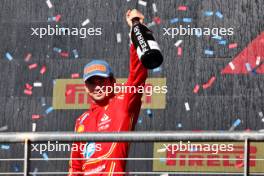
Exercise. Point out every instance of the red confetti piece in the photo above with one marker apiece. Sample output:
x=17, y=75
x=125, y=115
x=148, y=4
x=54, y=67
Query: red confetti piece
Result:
x=35, y=116
x=28, y=57
x=27, y=92
x=32, y=66
x=64, y=54
x=28, y=86
x=232, y=45
x=209, y=83
x=68, y=92
x=182, y=8
x=57, y=18
x=75, y=75
x=43, y=69
x=196, y=88
x=157, y=20
x=179, y=52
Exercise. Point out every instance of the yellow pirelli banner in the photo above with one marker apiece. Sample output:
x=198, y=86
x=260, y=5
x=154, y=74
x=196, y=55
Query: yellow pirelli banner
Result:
x=70, y=94
x=224, y=157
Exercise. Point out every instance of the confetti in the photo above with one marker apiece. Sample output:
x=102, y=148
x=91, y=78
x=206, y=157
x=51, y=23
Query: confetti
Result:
x=232, y=66
x=33, y=66
x=28, y=86
x=9, y=56
x=64, y=54
x=182, y=8
x=222, y=42
x=75, y=53
x=140, y=2
x=85, y=22
x=155, y=70
x=75, y=75
x=149, y=112
x=178, y=43
x=164, y=174
x=187, y=107
x=34, y=126
x=235, y=124
x=68, y=92
x=157, y=20
x=49, y=110
x=28, y=57
x=208, y=13
x=43, y=69
x=49, y=4
x=139, y=120
x=45, y=156
x=187, y=20
x=262, y=119
x=4, y=128
x=58, y=50
x=260, y=114
x=196, y=88
x=43, y=102
x=35, y=172
x=154, y=8
x=208, y=52
x=35, y=116
x=217, y=37
x=118, y=38
x=179, y=51
x=219, y=14
x=16, y=168
x=174, y=20
x=37, y=84
x=27, y=92
x=5, y=147
x=258, y=60
x=232, y=45
x=209, y=83
x=248, y=67
x=179, y=125
x=57, y=18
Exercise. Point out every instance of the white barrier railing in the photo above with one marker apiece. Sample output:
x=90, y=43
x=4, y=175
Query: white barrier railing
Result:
x=129, y=137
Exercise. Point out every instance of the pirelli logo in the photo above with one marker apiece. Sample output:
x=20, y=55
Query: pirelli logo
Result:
x=70, y=94
x=206, y=161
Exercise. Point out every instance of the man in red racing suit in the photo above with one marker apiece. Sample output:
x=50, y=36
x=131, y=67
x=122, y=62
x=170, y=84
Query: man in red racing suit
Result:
x=114, y=113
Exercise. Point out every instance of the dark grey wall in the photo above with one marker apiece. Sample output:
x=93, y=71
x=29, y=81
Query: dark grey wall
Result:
x=231, y=97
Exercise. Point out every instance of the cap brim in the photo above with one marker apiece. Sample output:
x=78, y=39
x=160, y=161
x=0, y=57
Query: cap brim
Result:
x=105, y=75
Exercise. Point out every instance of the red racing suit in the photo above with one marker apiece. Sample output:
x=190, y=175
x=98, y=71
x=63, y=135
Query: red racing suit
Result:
x=120, y=114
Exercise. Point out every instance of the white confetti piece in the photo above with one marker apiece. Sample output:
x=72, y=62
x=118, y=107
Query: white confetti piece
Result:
x=34, y=125
x=154, y=8
x=37, y=84
x=232, y=66
x=178, y=43
x=140, y=2
x=49, y=4
x=118, y=38
x=85, y=22
x=248, y=67
x=187, y=107
x=258, y=60
x=164, y=174
x=261, y=114
x=4, y=128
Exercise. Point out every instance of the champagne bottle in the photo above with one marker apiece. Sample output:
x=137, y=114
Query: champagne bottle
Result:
x=147, y=48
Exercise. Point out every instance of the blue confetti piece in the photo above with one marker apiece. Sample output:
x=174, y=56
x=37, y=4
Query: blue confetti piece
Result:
x=75, y=53
x=219, y=14
x=45, y=156
x=248, y=67
x=222, y=42
x=49, y=110
x=174, y=20
x=208, y=13
x=217, y=37
x=58, y=50
x=162, y=160
x=139, y=120
x=208, y=52
x=179, y=125
x=187, y=20
x=236, y=123
x=158, y=69
x=5, y=147
x=35, y=172
x=16, y=168
x=8, y=56
x=149, y=113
